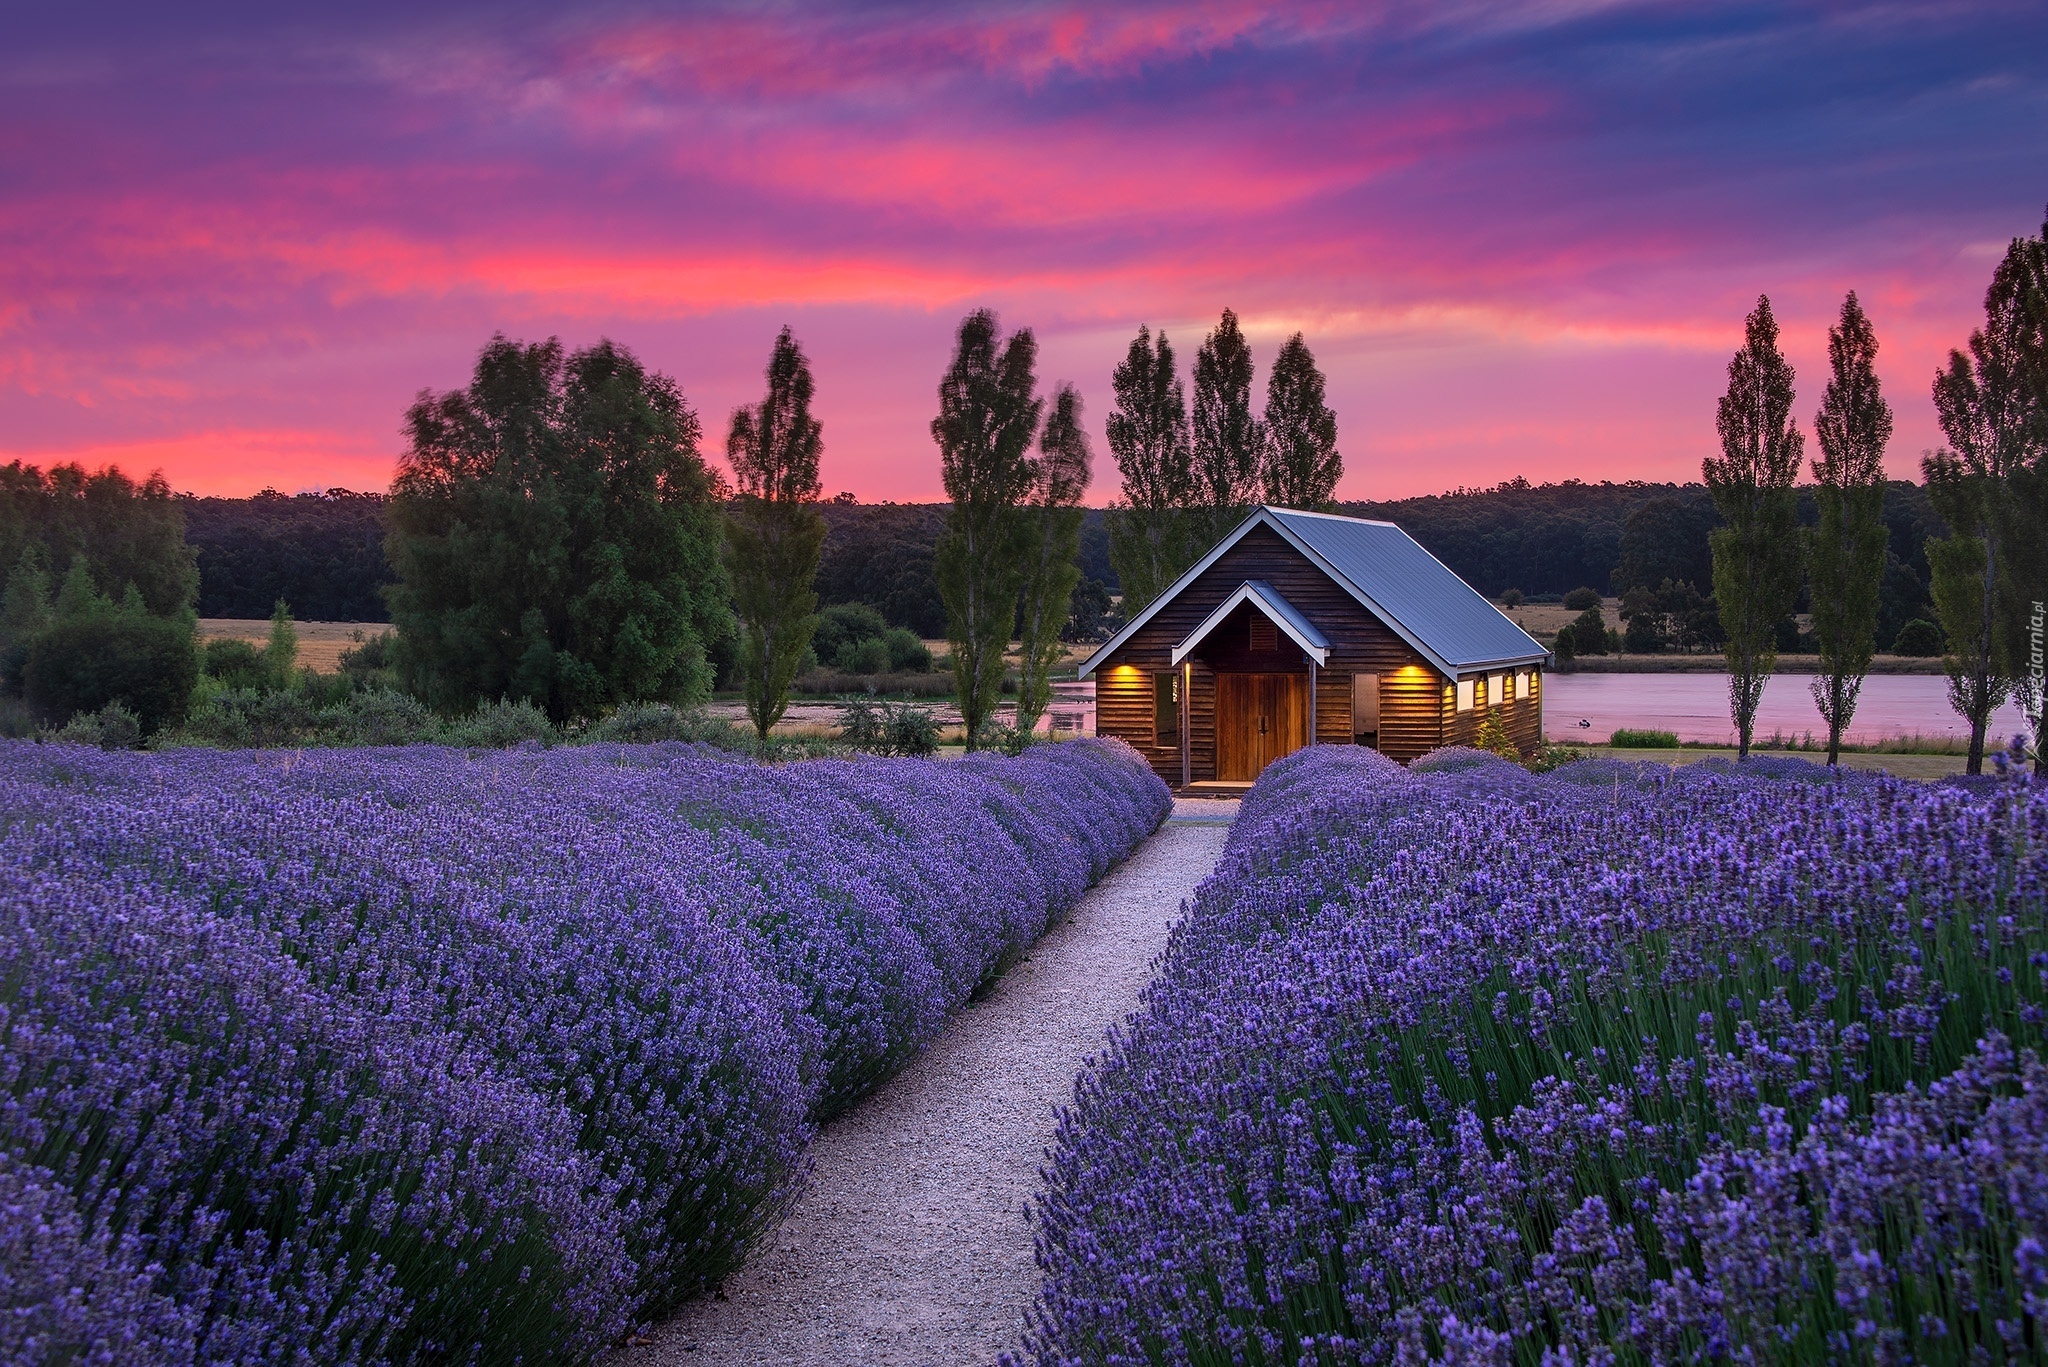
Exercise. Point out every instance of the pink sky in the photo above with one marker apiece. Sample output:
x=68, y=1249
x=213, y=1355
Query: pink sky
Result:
x=1520, y=239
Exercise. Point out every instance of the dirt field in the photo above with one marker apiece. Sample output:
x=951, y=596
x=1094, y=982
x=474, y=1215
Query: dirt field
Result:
x=320, y=643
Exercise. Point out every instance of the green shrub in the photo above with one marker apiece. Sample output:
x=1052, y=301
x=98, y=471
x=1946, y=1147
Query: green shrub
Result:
x=1579, y=599
x=251, y=717
x=645, y=723
x=235, y=663
x=907, y=654
x=113, y=727
x=148, y=664
x=368, y=662
x=381, y=716
x=1634, y=738
x=1919, y=638
x=502, y=724
x=1493, y=736
x=881, y=726
x=842, y=625
x=864, y=657
x=1562, y=649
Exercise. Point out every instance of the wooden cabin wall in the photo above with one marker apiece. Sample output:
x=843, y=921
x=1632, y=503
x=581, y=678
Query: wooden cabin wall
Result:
x=1523, y=718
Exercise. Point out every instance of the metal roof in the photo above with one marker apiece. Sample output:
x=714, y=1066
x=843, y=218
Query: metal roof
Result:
x=1391, y=576
x=1283, y=613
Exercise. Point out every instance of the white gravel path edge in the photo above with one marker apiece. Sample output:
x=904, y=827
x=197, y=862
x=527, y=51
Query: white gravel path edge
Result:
x=911, y=1245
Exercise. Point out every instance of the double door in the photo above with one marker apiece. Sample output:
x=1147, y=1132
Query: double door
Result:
x=1259, y=718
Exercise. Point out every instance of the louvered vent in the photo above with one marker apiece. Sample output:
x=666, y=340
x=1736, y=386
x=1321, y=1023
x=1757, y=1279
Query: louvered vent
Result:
x=1265, y=636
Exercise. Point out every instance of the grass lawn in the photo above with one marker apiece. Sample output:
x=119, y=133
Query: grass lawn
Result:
x=1900, y=766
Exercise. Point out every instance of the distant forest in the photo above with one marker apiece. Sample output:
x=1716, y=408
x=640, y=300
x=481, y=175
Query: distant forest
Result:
x=324, y=553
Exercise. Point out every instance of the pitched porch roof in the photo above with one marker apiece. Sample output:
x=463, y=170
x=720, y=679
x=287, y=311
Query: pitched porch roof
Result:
x=1283, y=614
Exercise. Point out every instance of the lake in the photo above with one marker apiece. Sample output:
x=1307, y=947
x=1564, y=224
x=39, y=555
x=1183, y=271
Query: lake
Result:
x=1695, y=706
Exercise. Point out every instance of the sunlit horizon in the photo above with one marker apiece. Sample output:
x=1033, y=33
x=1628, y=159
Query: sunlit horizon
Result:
x=1521, y=240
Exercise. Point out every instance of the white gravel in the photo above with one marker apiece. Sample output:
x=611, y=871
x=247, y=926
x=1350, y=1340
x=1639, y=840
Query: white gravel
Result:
x=911, y=1244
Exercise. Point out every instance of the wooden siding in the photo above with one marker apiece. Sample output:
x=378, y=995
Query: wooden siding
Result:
x=1523, y=717
x=1412, y=713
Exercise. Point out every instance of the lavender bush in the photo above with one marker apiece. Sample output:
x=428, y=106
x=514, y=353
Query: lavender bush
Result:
x=1614, y=1065
x=390, y=1056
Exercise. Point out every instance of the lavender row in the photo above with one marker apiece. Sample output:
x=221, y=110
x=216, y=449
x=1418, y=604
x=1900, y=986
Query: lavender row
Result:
x=1619, y=1064
x=388, y=1056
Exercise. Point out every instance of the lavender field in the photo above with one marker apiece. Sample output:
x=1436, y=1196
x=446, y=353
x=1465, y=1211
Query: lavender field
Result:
x=430, y=1055
x=1618, y=1065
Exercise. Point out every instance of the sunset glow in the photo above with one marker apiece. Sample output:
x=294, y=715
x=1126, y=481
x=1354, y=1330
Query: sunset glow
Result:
x=1521, y=240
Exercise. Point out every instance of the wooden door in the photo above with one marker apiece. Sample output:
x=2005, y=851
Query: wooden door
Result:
x=1259, y=718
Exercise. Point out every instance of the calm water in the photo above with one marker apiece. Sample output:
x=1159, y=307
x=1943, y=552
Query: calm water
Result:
x=1696, y=707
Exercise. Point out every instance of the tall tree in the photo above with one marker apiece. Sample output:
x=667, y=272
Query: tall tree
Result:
x=1991, y=412
x=1302, y=463
x=1150, y=537
x=1756, y=555
x=1229, y=440
x=555, y=533
x=1052, y=543
x=2016, y=308
x=1853, y=427
x=988, y=415
x=774, y=532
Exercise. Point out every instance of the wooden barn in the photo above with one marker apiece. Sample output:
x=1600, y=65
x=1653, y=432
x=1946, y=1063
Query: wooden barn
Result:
x=1311, y=629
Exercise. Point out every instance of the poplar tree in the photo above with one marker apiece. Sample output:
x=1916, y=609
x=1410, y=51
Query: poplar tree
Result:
x=2019, y=298
x=1989, y=402
x=1853, y=427
x=1228, y=440
x=1150, y=537
x=281, y=652
x=988, y=416
x=1053, y=550
x=1756, y=555
x=774, y=532
x=1302, y=465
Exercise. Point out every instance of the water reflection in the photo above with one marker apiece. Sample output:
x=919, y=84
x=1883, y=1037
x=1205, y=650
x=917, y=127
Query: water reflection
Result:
x=1696, y=707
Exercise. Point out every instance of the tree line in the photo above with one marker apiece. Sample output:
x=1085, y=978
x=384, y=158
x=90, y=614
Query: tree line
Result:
x=1988, y=485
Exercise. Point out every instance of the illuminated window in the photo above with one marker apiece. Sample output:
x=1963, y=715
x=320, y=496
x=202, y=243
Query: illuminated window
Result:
x=1365, y=709
x=1496, y=689
x=1166, y=710
x=1464, y=695
x=1521, y=685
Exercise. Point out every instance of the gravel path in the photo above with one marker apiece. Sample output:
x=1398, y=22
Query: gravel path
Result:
x=911, y=1245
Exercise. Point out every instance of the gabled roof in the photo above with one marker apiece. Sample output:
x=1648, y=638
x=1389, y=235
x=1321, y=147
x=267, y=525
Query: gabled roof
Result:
x=1391, y=575
x=1282, y=613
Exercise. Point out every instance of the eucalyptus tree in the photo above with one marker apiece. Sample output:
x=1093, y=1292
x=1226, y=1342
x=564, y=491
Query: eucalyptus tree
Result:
x=988, y=416
x=774, y=531
x=1757, y=553
x=1052, y=548
x=555, y=532
x=1151, y=539
x=1853, y=427
x=1302, y=464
